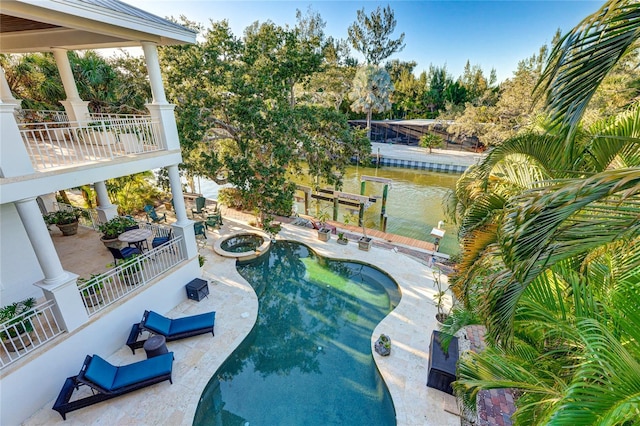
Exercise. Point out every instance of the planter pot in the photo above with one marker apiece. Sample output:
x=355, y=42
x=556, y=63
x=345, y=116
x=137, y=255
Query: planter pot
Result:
x=441, y=318
x=131, y=143
x=92, y=299
x=68, y=228
x=14, y=344
x=364, y=243
x=324, y=234
x=113, y=243
x=343, y=241
x=383, y=346
x=104, y=138
x=131, y=278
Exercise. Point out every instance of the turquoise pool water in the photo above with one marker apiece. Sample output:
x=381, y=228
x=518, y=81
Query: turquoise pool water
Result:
x=308, y=359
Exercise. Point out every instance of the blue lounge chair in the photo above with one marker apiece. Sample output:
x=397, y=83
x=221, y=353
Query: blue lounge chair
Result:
x=108, y=381
x=158, y=241
x=153, y=215
x=171, y=329
x=123, y=254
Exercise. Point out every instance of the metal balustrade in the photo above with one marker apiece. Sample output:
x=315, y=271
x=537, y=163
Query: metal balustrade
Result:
x=17, y=343
x=61, y=144
x=32, y=115
x=102, y=290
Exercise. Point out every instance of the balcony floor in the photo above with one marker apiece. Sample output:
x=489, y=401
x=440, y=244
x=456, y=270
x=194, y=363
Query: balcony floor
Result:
x=83, y=253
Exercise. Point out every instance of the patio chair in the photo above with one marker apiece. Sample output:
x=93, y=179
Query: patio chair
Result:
x=122, y=254
x=200, y=233
x=213, y=220
x=158, y=241
x=108, y=381
x=200, y=203
x=171, y=329
x=153, y=215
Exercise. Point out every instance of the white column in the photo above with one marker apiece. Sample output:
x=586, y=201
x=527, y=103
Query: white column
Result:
x=183, y=225
x=77, y=109
x=14, y=159
x=153, y=69
x=178, y=195
x=5, y=91
x=41, y=241
x=105, y=209
x=58, y=285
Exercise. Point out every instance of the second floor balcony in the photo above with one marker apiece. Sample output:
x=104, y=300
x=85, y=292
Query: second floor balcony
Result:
x=56, y=142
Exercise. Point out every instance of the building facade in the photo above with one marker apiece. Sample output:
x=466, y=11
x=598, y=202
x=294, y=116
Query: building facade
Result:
x=40, y=156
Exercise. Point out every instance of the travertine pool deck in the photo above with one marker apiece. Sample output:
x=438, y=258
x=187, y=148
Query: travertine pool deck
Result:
x=236, y=306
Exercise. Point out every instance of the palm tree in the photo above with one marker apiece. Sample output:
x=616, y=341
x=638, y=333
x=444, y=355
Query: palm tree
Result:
x=371, y=91
x=551, y=258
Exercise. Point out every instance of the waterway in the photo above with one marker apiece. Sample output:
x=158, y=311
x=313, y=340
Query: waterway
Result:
x=414, y=203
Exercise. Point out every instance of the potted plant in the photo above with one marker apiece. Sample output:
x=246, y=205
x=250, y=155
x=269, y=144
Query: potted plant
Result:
x=17, y=324
x=439, y=296
x=383, y=345
x=324, y=233
x=129, y=136
x=112, y=228
x=65, y=220
x=364, y=243
x=102, y=132
x=130, y=272
x=91, y=294
x=342, y=239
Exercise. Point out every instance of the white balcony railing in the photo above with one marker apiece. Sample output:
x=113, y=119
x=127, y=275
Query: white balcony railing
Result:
x=103, y=290
x=40, y=116
x=61, y=144
x=37, y=326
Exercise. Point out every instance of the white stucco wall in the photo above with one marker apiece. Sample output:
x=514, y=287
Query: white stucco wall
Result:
x=26, y=388
x=19, y=267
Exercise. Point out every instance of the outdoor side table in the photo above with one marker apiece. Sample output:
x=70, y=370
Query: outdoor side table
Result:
x=442, y=367
x=155, y=345
x=136, y=236
x=197, y=289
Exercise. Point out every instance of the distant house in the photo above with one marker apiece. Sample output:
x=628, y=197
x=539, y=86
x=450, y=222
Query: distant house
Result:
x=41, y=153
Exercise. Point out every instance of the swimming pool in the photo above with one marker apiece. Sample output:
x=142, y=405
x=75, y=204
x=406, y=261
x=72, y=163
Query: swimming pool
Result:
x=308, y=359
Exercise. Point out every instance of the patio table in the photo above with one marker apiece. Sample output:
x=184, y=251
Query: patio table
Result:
x=135, y=236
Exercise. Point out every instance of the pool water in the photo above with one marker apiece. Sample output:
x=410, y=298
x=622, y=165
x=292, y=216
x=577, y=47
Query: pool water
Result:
x=308, y=359
x=242, y=243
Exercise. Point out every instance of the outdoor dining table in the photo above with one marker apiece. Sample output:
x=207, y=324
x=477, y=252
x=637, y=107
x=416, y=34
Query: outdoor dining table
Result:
x=136, y=237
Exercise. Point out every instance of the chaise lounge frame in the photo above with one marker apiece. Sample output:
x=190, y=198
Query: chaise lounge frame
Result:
x=207, y=318
x=63, y=405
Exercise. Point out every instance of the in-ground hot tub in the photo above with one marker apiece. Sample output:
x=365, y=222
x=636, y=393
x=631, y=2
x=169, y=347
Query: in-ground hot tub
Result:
x=243, y=246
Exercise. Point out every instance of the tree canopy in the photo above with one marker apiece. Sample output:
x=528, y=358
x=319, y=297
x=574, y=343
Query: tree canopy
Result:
x=371, y=35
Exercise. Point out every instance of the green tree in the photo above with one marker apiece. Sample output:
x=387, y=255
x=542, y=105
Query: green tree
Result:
x=371, y=91
x=430, y=140
x=370, y=35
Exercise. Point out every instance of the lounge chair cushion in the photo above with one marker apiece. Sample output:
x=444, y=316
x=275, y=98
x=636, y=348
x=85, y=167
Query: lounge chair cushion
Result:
x=158, y=323
x=101, y=372
x=143, y=370
x=112, y=378
x=195, y=322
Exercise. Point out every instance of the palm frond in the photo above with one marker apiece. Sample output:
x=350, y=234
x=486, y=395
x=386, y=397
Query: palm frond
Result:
x=582, y=58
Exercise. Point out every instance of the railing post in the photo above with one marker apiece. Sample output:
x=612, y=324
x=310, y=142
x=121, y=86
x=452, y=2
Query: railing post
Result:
x=69, y=309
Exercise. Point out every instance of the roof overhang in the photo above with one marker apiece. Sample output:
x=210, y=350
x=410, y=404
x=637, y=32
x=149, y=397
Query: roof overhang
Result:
x=38, y=26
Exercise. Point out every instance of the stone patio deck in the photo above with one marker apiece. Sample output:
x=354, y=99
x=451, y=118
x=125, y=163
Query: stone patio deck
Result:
x=236, y=305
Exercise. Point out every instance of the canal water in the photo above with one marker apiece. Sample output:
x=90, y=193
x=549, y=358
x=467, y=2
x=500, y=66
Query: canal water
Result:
x=414, y=202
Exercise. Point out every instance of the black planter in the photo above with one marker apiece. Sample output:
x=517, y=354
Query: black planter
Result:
x=442, y=366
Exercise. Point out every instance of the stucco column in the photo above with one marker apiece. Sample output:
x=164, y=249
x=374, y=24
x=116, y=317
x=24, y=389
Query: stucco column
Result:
x=105, y=209
x=41, y=241
x=5, y=91
x=58, y=285
x=183, y=226
x=14, y=159
x=77, y=109
x=153, y=69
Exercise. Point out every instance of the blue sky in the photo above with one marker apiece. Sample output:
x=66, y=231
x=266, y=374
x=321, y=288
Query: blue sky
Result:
x=494, y=34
